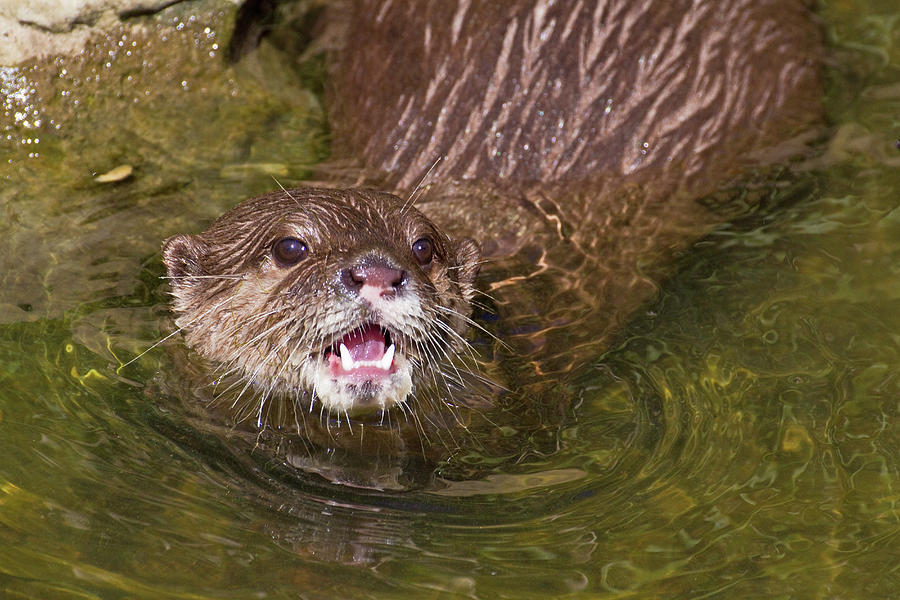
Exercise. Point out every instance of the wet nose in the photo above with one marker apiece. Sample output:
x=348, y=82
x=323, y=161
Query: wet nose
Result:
x=383, y=278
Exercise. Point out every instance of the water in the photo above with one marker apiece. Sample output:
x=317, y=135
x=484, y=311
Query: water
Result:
x=739, y=439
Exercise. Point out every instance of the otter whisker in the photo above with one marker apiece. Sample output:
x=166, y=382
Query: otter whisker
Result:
x=446, y=380
x=464, y=345
x=470, y=321
x=155, y=345
x=420, y=185
x=407, y=413
x=166, y=338
x=424, y=349
x=262, y=404
x=443, y=352
x=387, y=413
x=440, y=430
x=193, y=277
x=347, y=416
x=252, y=376
x=327, y=421
x=287, y=360
x=479, y=263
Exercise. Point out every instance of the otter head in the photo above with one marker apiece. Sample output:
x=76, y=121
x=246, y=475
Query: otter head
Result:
x=344, y=298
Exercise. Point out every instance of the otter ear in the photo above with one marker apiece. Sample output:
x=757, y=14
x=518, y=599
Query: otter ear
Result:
x=182, y=256
x=468, y=259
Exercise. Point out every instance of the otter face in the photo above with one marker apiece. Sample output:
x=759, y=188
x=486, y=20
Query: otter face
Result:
x=344, y=298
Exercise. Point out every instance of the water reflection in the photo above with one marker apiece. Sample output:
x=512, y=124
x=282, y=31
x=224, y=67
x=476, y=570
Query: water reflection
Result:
x=737, y=439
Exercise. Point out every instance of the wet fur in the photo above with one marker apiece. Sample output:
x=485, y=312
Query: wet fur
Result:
x=262, y=323
x=577, y=132
x=542, y=91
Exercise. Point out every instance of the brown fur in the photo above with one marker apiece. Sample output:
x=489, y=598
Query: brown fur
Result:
x=573, y=138
x=542, y=91
x=263, y=323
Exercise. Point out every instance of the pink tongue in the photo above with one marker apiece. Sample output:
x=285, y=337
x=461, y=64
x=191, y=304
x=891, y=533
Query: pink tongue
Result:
x=365, y=344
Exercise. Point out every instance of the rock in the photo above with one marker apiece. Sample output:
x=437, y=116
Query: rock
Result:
x=41, y=28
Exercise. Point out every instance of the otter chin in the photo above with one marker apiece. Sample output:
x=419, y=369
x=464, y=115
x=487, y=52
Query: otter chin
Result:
x=341, y=302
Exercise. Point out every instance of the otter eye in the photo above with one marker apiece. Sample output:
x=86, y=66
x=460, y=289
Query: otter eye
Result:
x=423, y=251
x=289, y=251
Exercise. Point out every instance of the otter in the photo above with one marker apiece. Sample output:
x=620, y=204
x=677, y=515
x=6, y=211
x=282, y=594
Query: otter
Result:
x=345, y=298
x=566, y=137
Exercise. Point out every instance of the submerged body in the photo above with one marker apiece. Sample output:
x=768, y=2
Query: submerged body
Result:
x=571, y=136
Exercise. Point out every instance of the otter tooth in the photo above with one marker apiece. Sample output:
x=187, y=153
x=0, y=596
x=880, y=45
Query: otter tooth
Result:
x=346, y=359
x=387, y=359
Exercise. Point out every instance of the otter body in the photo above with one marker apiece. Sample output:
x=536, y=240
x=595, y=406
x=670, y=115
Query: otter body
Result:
x=548, y=91
x=570, y=136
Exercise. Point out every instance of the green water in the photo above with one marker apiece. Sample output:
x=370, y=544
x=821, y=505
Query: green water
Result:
x=739, y=440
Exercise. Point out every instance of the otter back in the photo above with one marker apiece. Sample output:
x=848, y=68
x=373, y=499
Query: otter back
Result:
x=561, y=91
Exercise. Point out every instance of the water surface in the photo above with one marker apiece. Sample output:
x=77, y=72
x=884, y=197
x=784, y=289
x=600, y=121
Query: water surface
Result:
x=739, y=439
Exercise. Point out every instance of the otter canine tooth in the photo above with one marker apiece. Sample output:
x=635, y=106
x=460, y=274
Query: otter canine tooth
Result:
x=346, y=359
x=387, y=359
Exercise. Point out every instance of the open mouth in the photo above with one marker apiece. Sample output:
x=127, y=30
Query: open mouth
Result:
x=365, y=353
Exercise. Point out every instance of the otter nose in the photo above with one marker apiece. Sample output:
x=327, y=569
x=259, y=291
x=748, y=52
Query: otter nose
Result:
x=375, y=280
